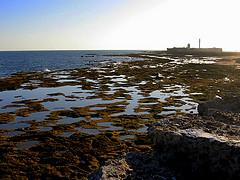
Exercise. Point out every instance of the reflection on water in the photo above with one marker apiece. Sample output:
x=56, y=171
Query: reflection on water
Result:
x=88, y=131
x=82, y=100
x=45, y=129
x=12, y=133
x=66, y=134
x=107, y=126
x=13, y=126
x=68, y=120
x=26, y=145
x=188, y=59
x=107, y=97
x=37, y=116
x=127, y=137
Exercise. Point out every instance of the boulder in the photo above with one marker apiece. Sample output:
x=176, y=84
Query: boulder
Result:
x=184, y=147
x=196, y=153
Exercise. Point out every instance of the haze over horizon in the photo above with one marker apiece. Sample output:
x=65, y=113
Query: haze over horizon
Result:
x=118, y=24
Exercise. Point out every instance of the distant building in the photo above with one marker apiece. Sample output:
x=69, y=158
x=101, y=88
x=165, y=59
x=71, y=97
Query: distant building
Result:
x=189, y=50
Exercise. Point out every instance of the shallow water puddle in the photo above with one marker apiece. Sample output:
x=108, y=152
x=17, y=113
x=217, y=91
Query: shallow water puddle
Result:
x=108, y=126
x=89, y=131
x=104, y=96
x=66, y=134
x=13, y=133
x=69, y=120
x=127, y=137
x=26, y=144
x=45, y=129
x=14, y=126
x=37, y=116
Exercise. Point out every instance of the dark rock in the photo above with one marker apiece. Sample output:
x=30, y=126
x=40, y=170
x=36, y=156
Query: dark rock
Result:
x=194, y=153
x=227, y=117
x=226, y=104
x=133, y=166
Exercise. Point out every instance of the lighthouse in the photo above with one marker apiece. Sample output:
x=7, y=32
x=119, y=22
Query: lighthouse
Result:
x=199, y=43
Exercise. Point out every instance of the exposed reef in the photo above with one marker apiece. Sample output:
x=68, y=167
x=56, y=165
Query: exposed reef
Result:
x=187, y=147
x=68, y=123
x=184, y=147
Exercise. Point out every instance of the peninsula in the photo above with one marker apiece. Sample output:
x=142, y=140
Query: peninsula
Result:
x=199, y=50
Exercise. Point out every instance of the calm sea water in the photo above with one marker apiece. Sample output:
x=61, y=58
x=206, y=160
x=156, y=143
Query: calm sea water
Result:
x=25, y=61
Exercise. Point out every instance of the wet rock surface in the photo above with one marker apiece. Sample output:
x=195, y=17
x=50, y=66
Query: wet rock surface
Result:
x=197, y=148
x=184, y=147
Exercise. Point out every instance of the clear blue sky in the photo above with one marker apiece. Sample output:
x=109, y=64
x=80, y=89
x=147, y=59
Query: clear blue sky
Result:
x=26, y=21
x=117, y=24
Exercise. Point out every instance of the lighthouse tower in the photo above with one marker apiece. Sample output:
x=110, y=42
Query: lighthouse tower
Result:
x=199, y=43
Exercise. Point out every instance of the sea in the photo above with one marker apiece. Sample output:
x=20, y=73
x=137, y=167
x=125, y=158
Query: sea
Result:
x=28, y=61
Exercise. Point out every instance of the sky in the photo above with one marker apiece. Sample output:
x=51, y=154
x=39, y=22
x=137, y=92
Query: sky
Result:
x=118, y=24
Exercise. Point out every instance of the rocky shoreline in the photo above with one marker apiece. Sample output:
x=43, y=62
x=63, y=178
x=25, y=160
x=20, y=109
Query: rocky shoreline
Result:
x=186, y=147
x=68, y=123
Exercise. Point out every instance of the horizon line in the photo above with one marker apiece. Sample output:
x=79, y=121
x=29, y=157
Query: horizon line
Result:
x=34, y=50
x=25, y=50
